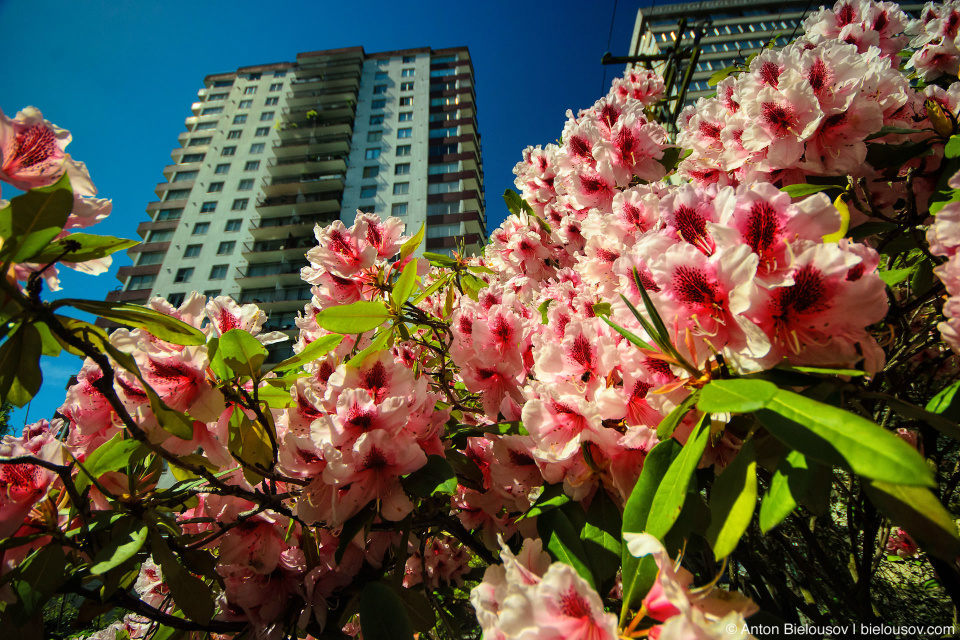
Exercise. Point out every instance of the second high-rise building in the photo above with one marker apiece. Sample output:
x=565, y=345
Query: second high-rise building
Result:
x=272, y=150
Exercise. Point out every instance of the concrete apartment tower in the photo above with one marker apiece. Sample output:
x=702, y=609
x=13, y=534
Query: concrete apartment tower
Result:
x=272, y=150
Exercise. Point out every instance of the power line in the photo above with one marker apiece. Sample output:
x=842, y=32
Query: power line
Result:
x=603, y=84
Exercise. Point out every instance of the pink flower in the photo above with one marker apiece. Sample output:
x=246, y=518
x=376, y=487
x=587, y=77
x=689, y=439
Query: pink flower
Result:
x=31, y=150
x=24, y=484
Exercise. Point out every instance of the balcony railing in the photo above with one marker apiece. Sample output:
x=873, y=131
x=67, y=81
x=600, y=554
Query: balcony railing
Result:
x=274, y=295
x=264, y=269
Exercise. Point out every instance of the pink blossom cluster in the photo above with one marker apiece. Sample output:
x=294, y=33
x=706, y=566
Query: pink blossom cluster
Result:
x=31, y=156
x=441, y=561
x=936, y=41
x=944, y=239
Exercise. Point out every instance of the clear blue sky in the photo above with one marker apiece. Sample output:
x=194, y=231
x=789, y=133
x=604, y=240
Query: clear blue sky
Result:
x=121, y=76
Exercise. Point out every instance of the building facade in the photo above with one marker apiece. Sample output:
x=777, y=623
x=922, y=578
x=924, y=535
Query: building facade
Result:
x=272, y=150
x=730, y=31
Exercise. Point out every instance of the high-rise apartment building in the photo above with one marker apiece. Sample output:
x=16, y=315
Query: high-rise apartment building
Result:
x=272, y=150
x=729, y=30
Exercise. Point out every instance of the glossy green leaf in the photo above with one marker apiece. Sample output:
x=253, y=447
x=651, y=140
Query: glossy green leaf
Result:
x=50, y=344
x=561, y=538
x=804, y=189
x=601, y=309
x=717, y=76
x=629, y=335
x=551, y=497
x=472, y=285
x=886, y=156
x=515, y=203
x=191, y=594
x=358, y=317
x=379, y=343
x=672, y=492
x=947, y=403
x=405, y=284
x=787, y=489
x=895, y=276
x=38, y=578
x=735, y=396
x=834, y=436
x=433, y=288
x=383, y=615
x=413, y=243
x=920, y=513
x=952, y=148
x=891, y=129
x=440, y=260
x=601, y=537
x=824, y=371
x=249, y=441
x=422, y=615
x=114, y=454
x=435, y=477
x=638, y=577
x=160, y=325
x=673, y=419
x=352, y=527
x=941, y=423
x=243, y=353
x=32, y=220
x=126, y=539
x=20, y=376
x=313, y=351
x=544, y=308
x=81, y=247
x=732, y=501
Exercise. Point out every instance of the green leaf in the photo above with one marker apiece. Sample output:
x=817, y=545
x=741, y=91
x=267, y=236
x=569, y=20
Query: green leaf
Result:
x=946, y=403
x=895, y=276
x=20, y=376
x=551, y=497
x=31, y=221
x=249, y=441
x=886, y=156
x=601, y=537
x=544, y=308
x=673, y=419
x=630, y=336
x=352, y=527
x=672, y=492
x=825, y=371
x=191, y=594
x=358, y=317
x=422, y=615
x=671, y=158
x=601, y=309
x=472, y=285
x=81, y=247
x=732, y=501
x=313, y=351
x=735, y=396
x=243, y=353
x=379, y=343
x=162, y=326
x=126, y=539
x=562, y=539
x=51, y=345
x=440, y=260
x=717, y=76
x=411, y=245
x=920, y=514
x=433, y=288
x=116, y=453
x=890, y=129
x=804, y=189
x=787, y=488
x=941, y=423
x=639, y=576
x=435, y=477
x=952, y=148
x=834, y=436
x=38, y=578
x=404, y=285
x=516, y=204
x=383, y=615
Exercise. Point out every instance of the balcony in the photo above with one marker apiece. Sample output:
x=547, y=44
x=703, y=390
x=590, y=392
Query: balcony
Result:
x=145, y=227
x=129, y=296
x=288, y=227
x=283, y=273
x=277, y=300
x=146, y=270
x=302, y=204
x=170, y=169
x=304, y=183
x=290, y=248
x=310, y=80
x=319, y=97
x=320, y=144
x=305, y=130
x=325, y=112
x=315, y=163
x=163, y=187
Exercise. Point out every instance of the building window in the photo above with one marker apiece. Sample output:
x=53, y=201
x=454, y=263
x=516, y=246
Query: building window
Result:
x=204, y=126
x=226, y=248
x=407, y=73
x=401, y=188
x=168, y=214
x=399, y=209
x=252, y=165
x=406, y=116
x=233, y=225
x=187, y=158
x=437, y=169
x=382, y=62
x=371, y=172
x=374, y=136
x=215, y=187
x=223, y=83
x=192, y=250
x=228, y=151
x=176, y=299
x=177, y=194
x=448, y=132
x=255, y=76
x=160, y=235
x=403, y=150
x=136, y=283
x=211, y=293
x=379, y=89
x=266, y=115
x=213, y=97
x=245, y=185
x=367, y=208
x=402, y=169
x=444, y=116
x=208, y=207
x=222, y=168
x=406, y=86
x=219, y=271
x=440, y=73
x=257, y=148
x=209, y=111
x=381, y=75
x=182, y=176
x=249, y=91
x=376, y=119
x=199, y=142
x=279, y=74
x=245, y=104
x=151, y=257
x=368, y=191
x=240, y=204
x=201, y=228
x=378, y=104
x=269, y=102
x=183, y=275
x=276, y=86
x=409, y=59
x=405, y=133
x=406, y=102
x=233, y=135
x=372, y=154
x=240, y=119
x=262, y=131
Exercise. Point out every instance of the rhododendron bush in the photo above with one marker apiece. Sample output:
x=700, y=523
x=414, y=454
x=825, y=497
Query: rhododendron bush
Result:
x=695, y=379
